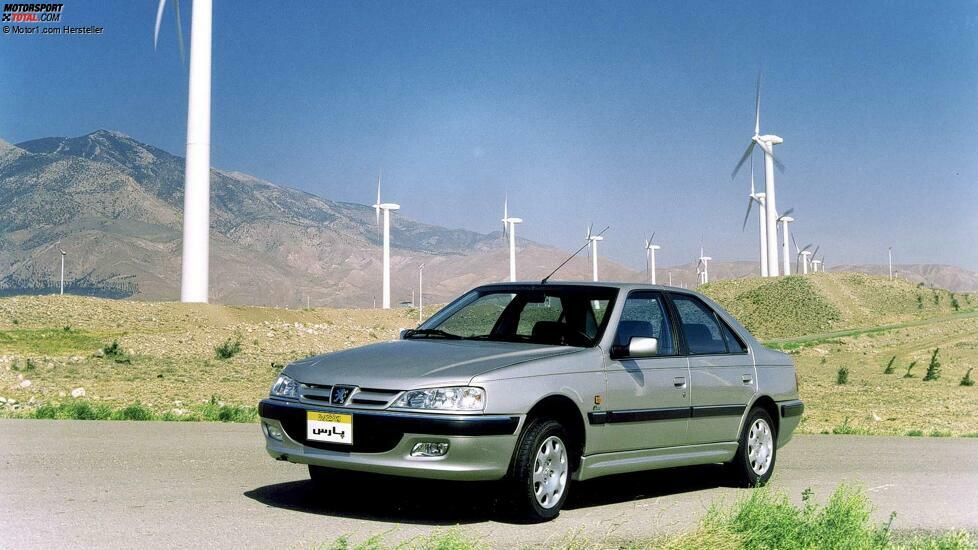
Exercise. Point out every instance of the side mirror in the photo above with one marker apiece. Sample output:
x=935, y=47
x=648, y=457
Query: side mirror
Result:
x=637, y=348
x=400, y=334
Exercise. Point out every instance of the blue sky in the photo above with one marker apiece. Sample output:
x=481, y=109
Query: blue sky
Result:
x=624, y=114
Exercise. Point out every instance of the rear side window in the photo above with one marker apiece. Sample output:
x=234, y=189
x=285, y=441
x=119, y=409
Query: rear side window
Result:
x=700, y=326
x=734, y=345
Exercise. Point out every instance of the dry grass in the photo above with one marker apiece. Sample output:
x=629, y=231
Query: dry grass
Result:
x=167, y=360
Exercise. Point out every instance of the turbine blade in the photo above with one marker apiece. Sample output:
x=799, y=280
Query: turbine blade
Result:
x=793, y=241
x=652, y=237
x=786, y=213
x=743, y=159
x=506, y=207
x=159, y=19
x=750, y=202
x=176, y=11
x=816, y=251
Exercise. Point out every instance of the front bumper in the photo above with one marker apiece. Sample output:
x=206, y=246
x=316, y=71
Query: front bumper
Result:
x=480, y=446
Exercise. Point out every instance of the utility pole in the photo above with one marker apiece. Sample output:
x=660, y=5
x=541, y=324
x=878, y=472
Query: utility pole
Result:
x=62, y=271
x=420, y=293
x=889, y=258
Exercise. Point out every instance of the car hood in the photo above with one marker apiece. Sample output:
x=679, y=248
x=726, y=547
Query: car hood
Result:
x=407, y=364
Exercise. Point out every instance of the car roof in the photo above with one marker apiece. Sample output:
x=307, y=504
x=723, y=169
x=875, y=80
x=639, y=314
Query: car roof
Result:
x=601, y=284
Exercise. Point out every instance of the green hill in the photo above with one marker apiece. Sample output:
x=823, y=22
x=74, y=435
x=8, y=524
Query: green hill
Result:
x=787, y=307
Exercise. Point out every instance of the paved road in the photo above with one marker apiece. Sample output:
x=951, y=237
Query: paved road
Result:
x=149, y=484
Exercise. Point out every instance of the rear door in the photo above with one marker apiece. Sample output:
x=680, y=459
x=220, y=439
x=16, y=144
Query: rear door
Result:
x=721, y=371
x=648, y=398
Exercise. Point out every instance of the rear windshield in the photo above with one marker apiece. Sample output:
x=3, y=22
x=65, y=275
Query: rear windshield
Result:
x=556, y=316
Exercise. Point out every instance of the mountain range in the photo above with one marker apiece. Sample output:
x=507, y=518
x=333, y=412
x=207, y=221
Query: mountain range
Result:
x=115, y=205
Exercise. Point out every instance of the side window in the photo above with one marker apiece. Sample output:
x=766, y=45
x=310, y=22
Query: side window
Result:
x=734, y=345
x=700, y=326
x=645, y=315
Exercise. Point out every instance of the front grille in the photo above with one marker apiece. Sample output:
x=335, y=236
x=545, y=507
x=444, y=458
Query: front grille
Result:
x=365, y=398
x=371, y=434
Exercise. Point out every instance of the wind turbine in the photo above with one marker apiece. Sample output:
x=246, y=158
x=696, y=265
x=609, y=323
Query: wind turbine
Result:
x=704, y=261
x=801, y=256
x=387, y=207
x=593, y=251
x=785, y=219
x=196, y=185
x=62, y=268
x=766, y=143
x=759, y=198
x=650, y=258
x=509, y=230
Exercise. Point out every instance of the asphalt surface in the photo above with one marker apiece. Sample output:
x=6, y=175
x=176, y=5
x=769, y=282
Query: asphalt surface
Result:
x=157, y=484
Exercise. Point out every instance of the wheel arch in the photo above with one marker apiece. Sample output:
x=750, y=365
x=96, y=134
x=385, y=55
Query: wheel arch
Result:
x=567, y=412
x=767, y=403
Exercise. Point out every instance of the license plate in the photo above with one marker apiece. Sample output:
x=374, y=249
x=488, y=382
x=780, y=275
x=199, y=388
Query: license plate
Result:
x=329, y=427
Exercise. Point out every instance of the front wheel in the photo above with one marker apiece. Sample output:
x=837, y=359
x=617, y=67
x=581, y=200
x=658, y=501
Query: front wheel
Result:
x=754, y=462
x=541, y=472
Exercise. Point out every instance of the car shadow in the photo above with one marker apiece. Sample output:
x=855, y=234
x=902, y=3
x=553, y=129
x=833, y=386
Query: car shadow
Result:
x=442, y=503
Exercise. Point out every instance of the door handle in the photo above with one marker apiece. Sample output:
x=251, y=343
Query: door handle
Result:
x=679, y=381
x=747, y=379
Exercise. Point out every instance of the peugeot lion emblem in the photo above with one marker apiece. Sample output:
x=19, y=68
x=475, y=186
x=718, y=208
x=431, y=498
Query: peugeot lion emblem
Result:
x=340, y=394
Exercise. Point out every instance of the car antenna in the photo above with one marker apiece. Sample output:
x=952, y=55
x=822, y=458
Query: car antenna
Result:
x=588, y=243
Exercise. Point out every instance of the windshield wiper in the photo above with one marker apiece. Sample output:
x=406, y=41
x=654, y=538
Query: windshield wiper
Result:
x=411, y=333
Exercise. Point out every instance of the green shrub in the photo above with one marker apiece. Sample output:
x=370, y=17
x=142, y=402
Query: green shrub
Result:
x=136, y=411
x=889, y=366
x=768, y=519
x=909, y=368
x=228, y=349
x=113, y=350
x=67, y=328
x=967, y=380
x=846, y=429
x=954, y=303
x=215, y=411
x=74, y=410
x=940, y=433
x=934, y=368
x=915, y=433
x=842, y=376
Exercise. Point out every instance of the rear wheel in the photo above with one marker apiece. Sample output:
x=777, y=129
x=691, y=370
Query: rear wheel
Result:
x=754, y=462
x=541, y=472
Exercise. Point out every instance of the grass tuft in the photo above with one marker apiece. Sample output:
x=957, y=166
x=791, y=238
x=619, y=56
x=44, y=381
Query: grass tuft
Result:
x=910, y=368
x=842, y=376
x=933, y=368
x=967, y=380
x=228, y=349
x=890, y=366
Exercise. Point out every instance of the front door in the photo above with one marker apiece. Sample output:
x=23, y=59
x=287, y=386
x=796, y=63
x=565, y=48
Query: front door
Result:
x=721, y=370
x=648, y=398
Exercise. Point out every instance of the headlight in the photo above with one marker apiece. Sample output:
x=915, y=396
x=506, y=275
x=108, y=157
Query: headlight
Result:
x=454, y=399
x=285, y=387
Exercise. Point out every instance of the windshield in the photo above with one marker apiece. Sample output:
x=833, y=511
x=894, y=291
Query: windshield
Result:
x=555, y=315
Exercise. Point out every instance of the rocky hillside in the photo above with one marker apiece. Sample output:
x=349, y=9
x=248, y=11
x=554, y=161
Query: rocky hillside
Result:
x=116, y=205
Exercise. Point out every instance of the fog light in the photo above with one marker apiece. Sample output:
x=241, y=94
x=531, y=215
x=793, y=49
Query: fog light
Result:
x=429, y=448
x=272, y=431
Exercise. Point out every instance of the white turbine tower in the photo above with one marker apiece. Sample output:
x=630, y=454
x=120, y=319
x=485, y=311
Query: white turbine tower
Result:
x=766, y=143
x=509, y=230
x=704, y=271
x=801, y=257
x=785, y=219
x=761, y=216
x=387, y=207
x=593, y=251
x=62, y=268
x=889, y=260
x=196, y=186
x=650, y=258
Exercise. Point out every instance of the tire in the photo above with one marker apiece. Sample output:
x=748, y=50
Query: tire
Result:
x=756, y=452
x=541, y=472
